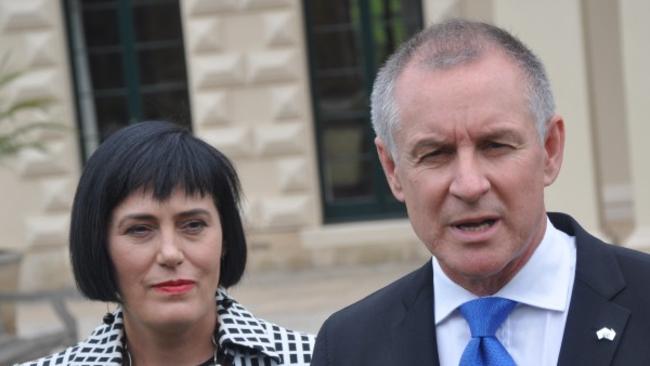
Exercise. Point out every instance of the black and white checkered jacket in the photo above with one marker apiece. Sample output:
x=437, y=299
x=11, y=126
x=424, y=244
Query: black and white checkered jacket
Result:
x=244, y=339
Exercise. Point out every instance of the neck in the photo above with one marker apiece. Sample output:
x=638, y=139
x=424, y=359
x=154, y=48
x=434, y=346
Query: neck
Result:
x=173, y=345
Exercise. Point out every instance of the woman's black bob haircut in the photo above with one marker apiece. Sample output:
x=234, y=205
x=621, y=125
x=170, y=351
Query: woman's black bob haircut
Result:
x=158, y=157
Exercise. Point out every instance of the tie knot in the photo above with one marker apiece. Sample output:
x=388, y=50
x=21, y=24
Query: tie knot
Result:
x=485, y=315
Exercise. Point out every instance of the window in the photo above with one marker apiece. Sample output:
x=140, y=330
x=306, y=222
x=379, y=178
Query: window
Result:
x=128, y=64
x=348, y=41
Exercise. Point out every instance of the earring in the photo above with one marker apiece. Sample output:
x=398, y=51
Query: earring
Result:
x=109, y=318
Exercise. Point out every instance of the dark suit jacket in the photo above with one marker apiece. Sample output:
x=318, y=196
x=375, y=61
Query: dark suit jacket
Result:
x=395, y=326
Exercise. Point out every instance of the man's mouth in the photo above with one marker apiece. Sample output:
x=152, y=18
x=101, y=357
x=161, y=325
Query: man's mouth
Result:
x=475, y=226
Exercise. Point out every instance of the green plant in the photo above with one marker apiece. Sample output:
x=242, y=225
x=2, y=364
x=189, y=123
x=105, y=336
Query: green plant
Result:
x=17, y=132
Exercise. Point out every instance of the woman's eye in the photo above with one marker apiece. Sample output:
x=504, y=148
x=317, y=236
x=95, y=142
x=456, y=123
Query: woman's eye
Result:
x=194, y=226
x=138, y=230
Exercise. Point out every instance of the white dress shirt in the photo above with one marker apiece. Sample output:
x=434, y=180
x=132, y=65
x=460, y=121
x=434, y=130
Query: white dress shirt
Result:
x=533, y=332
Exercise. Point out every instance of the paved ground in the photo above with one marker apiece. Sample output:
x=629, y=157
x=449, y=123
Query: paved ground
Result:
x=299, y=300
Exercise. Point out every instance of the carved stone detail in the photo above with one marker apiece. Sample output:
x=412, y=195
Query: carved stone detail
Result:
x=58, y=195
x=293, y=174
x=201, y=7
x=279, y=139
x=259, y=4
x=220, y=70
x=212, y=108
x=234, y=142
x=284, y=211
x=272, y=66
x=25, y=14
x=47, y=231
x=35, y=163
x=286, y=102
x=279, y=28
x=205, y=35
x=39, y=49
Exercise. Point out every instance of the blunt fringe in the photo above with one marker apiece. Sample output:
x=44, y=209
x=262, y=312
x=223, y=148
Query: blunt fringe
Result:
x=159, y=157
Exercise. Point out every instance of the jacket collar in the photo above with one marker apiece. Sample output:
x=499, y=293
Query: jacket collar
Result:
x=599, y=280
x=240, y=330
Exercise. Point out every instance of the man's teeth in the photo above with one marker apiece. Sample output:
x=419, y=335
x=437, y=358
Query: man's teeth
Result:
x=476, y=227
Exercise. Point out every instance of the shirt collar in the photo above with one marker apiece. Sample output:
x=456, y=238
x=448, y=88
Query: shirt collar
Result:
x=240, y=330
x=550, y=268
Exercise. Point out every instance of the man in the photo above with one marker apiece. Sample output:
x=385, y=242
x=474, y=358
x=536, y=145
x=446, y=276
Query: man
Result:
x=468, y=139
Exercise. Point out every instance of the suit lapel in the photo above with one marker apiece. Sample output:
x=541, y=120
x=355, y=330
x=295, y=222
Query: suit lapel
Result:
x=413, y=334
x=598, y=280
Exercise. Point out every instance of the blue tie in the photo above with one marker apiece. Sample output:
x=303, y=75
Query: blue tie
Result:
x=485, y=316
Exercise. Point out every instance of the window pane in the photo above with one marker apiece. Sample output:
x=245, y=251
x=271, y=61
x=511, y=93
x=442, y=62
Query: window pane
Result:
x=339, y=97
x=333, y=12
x=348, y=168
x=112, y=114
x=157, y=22
x=106, y=70
x=161, y=65
x=101, y=27
x=170, y=104
x=336, y=49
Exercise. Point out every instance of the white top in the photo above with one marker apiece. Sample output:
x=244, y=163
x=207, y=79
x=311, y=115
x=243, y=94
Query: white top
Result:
x=533, y=332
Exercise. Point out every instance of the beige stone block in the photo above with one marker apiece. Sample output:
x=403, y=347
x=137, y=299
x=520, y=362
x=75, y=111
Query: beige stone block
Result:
x=277, y=65
x=286, y=102
x=293, y=173
x=47, y=269
x=363, y=243
x=39, y=50
x=37, y=163
x=39, y=83
x=205, y=35
x=273, y=250
x=259, y=4
x=279, y=28
x=25, y=14
x=219, y=70
x=280, y=139
x=47, y=231
x=235, y=142
x=58, y=194
x=202, y=7
x=212, y=108
x=287, y=211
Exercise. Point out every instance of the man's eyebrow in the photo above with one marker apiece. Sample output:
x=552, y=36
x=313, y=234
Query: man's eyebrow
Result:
x=427, y=143
x=501, y=133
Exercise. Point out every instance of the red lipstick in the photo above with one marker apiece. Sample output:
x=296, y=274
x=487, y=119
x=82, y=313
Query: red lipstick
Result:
x=174, y=286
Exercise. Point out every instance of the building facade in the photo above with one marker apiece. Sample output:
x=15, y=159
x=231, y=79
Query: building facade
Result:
x=281, y=87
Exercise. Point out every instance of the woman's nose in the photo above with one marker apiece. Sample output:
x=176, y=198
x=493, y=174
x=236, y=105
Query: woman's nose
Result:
x=170, y=253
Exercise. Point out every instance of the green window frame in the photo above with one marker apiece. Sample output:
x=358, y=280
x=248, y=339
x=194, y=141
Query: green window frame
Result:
x=128, y=65
x=348, y=40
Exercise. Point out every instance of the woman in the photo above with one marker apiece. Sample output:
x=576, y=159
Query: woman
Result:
x=156, y=228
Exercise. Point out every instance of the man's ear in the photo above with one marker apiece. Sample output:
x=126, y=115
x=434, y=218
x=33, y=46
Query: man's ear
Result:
x=554, y=149
x=389, y=166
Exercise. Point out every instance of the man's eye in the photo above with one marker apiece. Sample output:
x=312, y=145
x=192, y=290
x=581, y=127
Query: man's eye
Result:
x=194, y=226
x=436, y=154
x=496, y=145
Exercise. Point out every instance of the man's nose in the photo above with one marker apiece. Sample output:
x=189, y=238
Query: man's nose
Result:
x=469, y=182
x=170, y=253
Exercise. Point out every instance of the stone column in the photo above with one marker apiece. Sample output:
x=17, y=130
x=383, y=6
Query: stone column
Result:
x=636, y=58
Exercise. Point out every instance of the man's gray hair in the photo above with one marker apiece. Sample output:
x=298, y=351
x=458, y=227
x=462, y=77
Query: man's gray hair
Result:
x=448, y=44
